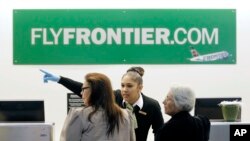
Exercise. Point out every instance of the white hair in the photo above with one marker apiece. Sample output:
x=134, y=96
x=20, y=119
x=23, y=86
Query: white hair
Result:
x=184, y=98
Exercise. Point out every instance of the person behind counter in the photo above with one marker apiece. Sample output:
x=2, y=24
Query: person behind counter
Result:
x=147, y=110
x=101, y=118
x=179, y=102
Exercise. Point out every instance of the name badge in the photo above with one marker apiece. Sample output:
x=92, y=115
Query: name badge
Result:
x=144, y=113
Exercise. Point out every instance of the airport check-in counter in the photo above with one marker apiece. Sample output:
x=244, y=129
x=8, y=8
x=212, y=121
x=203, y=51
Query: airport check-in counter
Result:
x=27, y=131
x=220, y=131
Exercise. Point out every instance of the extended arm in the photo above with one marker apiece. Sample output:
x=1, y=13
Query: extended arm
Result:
x=74, y=86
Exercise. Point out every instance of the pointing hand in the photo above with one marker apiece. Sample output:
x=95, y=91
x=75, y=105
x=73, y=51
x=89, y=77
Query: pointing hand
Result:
x=49, y=77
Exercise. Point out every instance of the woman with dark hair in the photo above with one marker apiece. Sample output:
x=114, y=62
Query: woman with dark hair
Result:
x=101, y=118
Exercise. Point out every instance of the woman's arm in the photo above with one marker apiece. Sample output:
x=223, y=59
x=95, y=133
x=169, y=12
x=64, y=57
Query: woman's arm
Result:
x=72, y=85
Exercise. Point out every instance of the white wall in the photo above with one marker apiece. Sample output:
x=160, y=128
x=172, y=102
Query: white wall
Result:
x=25, y=81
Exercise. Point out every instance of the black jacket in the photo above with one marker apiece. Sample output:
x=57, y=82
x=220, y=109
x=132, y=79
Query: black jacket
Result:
x=184, y=126
x=149, y=115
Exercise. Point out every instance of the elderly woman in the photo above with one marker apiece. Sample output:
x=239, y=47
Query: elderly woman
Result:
x=179, y=102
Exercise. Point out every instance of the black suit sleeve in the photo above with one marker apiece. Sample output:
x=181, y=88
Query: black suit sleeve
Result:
x=74, y=86
x=157, y=118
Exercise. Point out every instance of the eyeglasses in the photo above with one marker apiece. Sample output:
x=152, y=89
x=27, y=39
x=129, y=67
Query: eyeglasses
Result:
x=83, y=88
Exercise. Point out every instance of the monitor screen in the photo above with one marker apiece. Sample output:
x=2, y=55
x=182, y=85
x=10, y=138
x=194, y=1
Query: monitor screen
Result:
x=22, y=111
x=209, y=107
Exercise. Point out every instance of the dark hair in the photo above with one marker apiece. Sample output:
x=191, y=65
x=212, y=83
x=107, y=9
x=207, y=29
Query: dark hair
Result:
x=136, y=77
x=139, y=70
x=102, y=96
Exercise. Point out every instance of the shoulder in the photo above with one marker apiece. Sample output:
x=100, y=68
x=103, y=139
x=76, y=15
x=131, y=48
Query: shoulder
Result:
x=152, y=107
x=80, y=111
x=75, y=110
x=74, y=114
x=149, y=101
x=203, y=120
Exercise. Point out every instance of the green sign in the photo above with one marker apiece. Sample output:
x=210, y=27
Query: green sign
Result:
x=124, y=36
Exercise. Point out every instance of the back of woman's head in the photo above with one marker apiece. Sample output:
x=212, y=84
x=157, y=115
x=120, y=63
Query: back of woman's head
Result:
x=101, y=90
x=139, y=70
x=102, y=96
x=184, y=98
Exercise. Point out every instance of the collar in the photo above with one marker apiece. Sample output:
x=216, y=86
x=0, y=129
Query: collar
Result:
x=181, y=114
x=139, y=102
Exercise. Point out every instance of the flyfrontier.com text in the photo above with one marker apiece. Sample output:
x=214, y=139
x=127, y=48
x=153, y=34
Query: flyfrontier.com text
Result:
x=124, y=36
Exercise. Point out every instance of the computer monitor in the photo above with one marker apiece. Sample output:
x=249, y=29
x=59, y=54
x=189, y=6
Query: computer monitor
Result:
x=209, y=107
x=22, y=111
